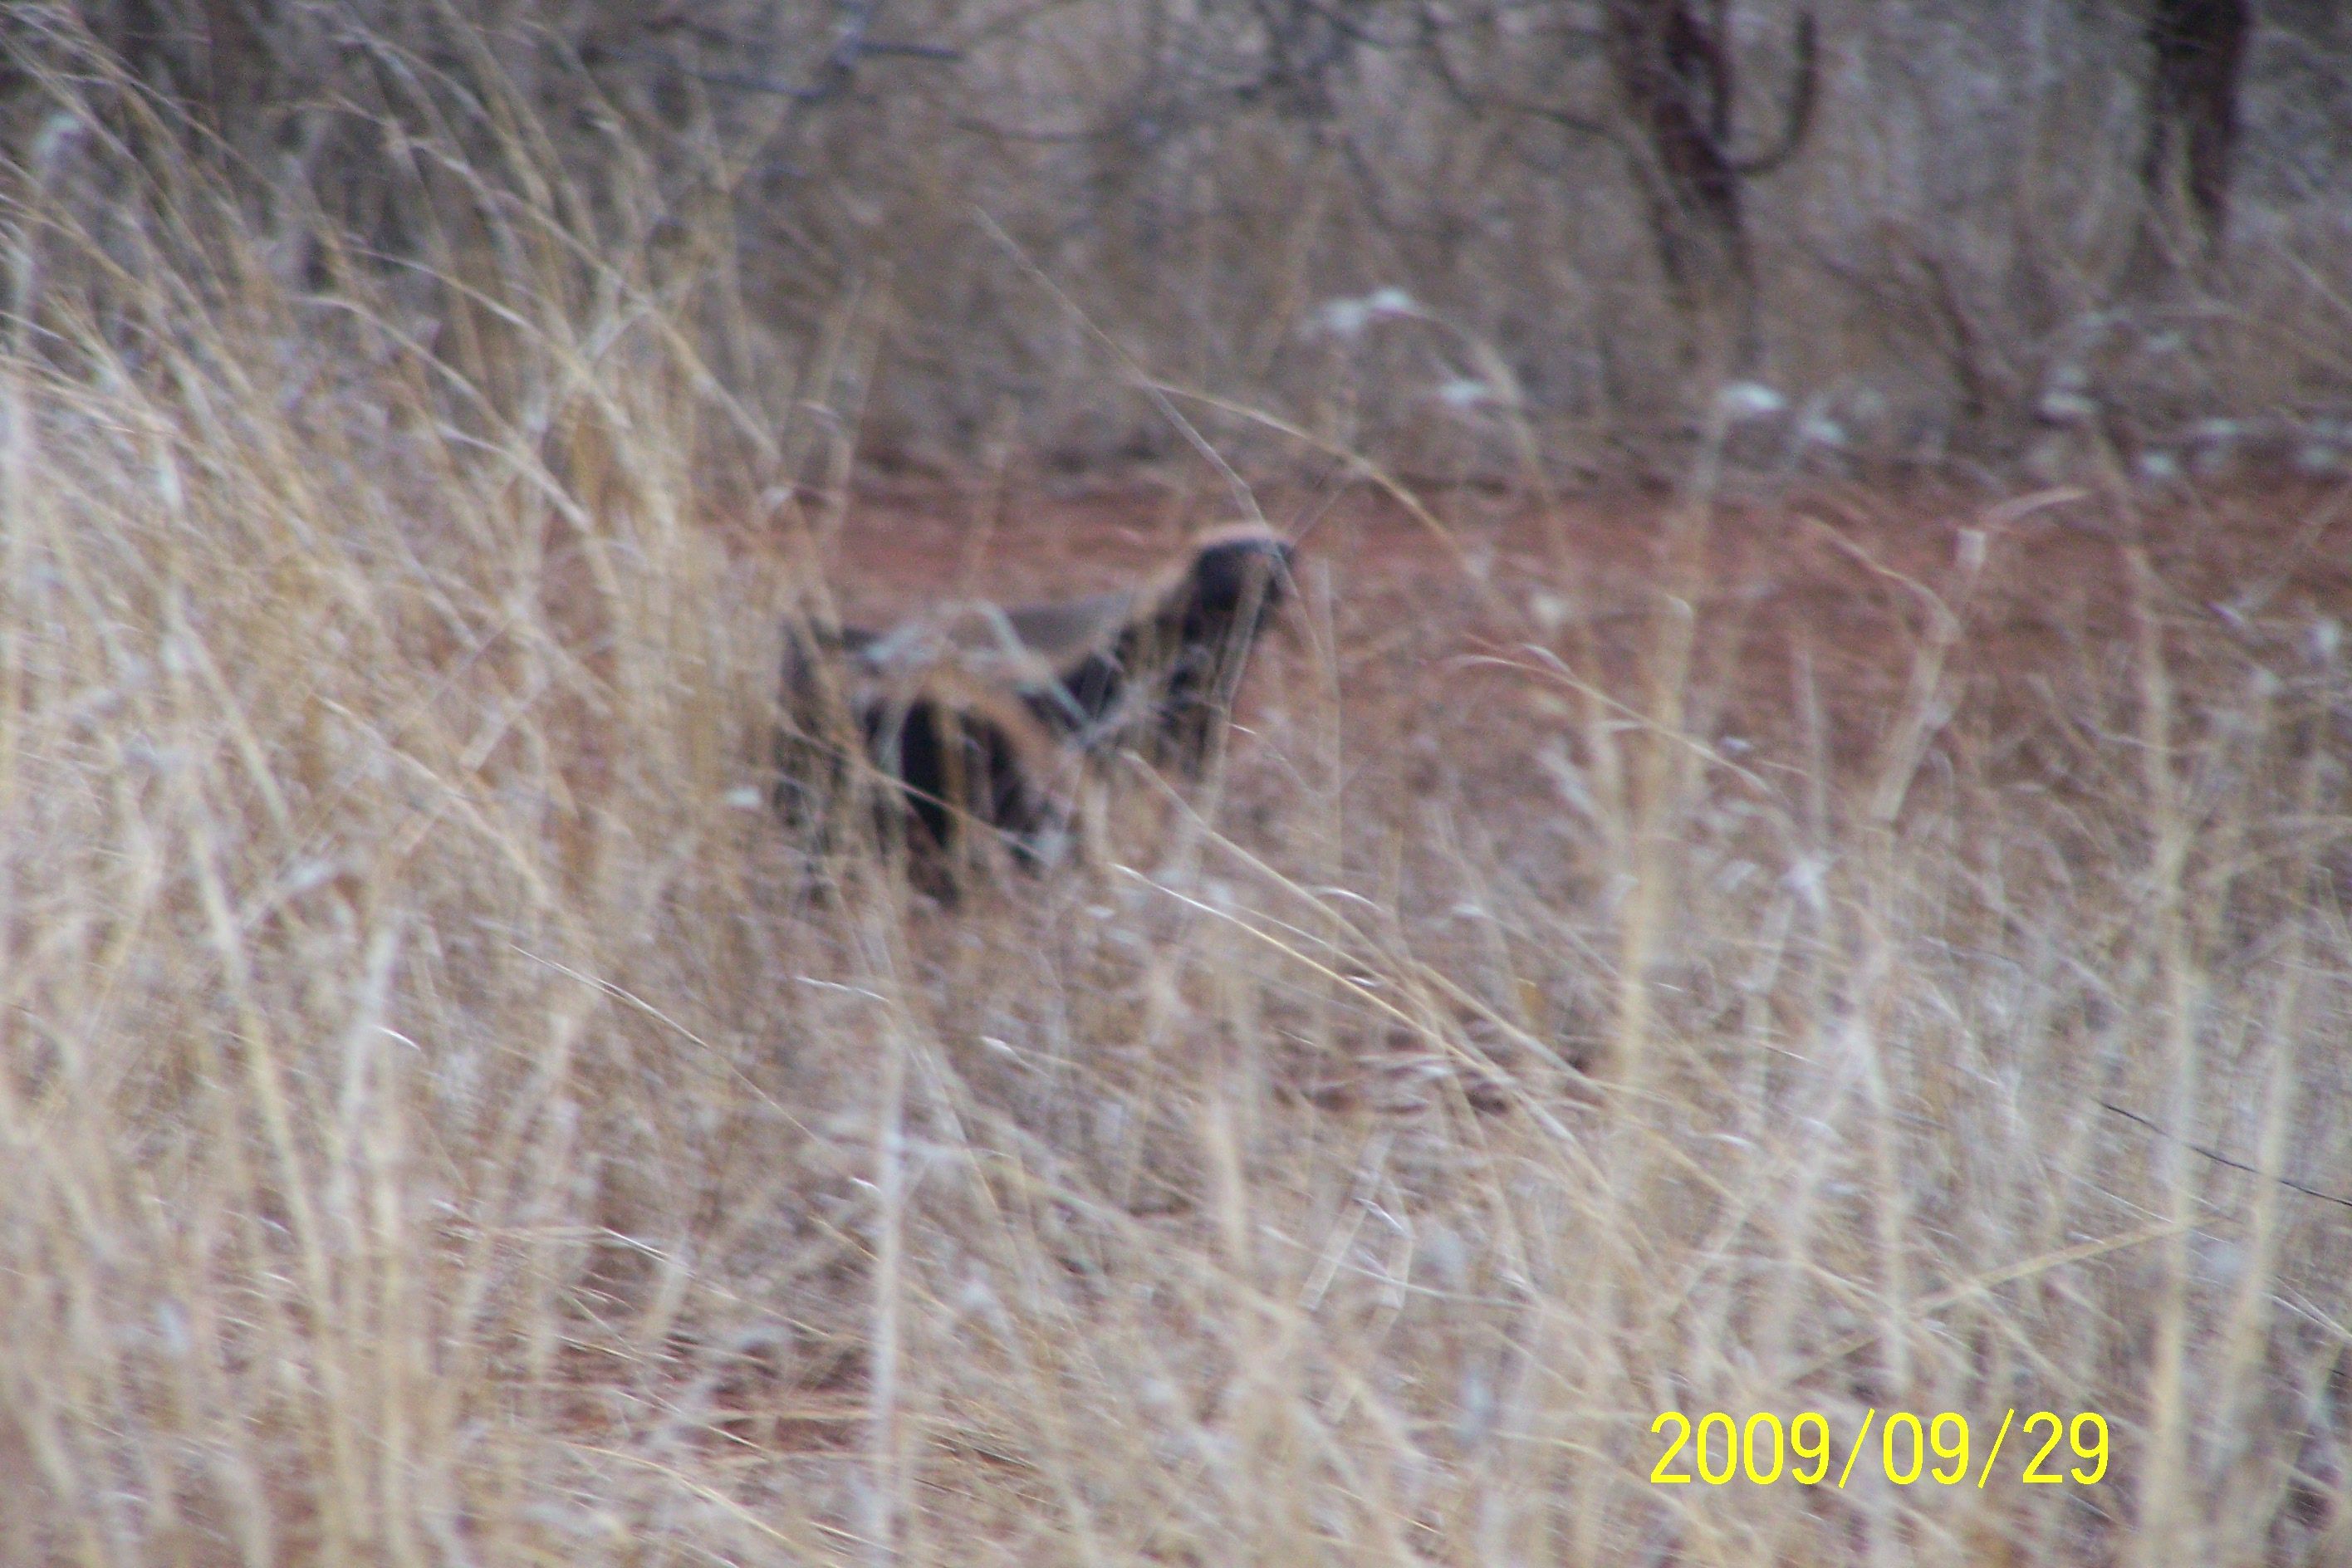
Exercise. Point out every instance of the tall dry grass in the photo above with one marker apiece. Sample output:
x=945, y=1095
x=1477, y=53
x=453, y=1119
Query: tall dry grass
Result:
x=439, y=1126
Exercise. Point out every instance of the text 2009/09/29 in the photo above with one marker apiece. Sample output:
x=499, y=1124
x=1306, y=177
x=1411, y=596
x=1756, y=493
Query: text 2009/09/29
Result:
x=1720, y=1449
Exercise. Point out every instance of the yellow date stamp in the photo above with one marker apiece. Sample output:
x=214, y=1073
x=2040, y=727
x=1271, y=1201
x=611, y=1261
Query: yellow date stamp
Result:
x=1719, y=1448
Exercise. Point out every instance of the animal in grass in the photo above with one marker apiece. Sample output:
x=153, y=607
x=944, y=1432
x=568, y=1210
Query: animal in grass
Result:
x=975, y=720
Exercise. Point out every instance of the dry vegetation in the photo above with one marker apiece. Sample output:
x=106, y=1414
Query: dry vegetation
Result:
x=1683, y=963
x=1955, y=243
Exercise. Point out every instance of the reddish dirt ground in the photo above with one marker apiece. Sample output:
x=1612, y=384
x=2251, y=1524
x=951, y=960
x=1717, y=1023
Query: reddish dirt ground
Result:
x=1833, y=578
x=1450, y=733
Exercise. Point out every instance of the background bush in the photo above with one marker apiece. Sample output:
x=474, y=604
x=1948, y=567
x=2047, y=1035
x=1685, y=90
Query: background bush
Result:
x=1958, y=236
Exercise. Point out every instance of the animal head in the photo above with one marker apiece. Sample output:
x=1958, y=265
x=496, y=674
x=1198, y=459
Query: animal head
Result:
x=1235, y=574
x=1181, y=659
x=1156, y=665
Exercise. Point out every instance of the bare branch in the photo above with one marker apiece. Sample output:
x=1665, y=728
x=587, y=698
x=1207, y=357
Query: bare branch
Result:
x=1804, y=80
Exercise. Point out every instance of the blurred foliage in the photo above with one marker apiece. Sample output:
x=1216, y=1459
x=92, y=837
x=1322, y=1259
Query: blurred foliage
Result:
x=1950, y=238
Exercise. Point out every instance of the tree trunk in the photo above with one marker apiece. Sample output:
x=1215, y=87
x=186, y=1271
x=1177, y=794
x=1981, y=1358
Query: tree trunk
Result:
x=2200, y=49
x=1675, y=77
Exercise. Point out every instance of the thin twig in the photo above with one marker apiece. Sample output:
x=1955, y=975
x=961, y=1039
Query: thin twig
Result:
x=2220, y=1159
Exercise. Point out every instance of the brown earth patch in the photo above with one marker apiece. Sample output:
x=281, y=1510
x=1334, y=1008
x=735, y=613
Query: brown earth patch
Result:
x=1444, y=635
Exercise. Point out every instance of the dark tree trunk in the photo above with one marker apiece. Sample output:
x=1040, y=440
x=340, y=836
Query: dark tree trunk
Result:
x=2200, y=49
x=1677, y=80
x=1673, y=72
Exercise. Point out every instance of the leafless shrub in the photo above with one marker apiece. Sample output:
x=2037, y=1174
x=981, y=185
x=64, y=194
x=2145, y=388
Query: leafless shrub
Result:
x=1915, y=213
